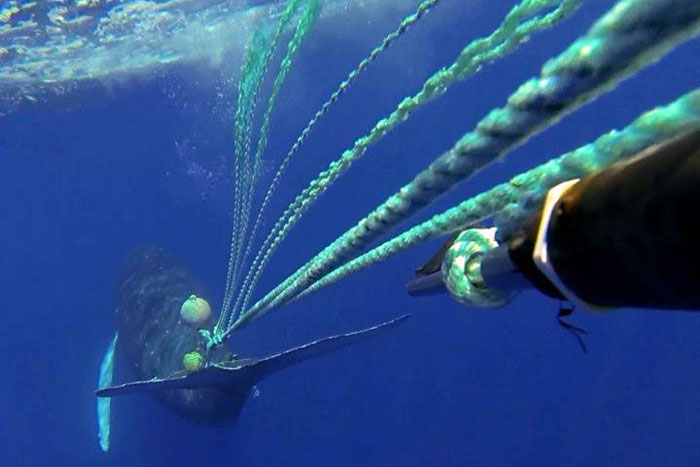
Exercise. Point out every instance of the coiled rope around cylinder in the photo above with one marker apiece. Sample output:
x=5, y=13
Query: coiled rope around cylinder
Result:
x=462, y=281
x=630, y=36
x=509, y=201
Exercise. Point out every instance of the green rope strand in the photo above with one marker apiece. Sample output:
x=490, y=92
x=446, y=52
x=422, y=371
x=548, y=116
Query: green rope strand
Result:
x=518, y=24
x=409, y=21
x=304, y=25
x=260, y=52
x=633, y=34
x=508, y=199
x=251, y=65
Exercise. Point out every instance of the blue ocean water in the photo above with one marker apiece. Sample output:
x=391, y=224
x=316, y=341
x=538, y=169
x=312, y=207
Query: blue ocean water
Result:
x=145, y=159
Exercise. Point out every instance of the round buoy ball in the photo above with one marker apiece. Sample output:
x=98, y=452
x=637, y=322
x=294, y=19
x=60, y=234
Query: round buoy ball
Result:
x=193, y=361
x=195, y=311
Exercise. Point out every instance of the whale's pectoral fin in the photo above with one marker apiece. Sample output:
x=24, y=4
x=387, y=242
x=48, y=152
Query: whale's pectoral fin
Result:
x=241, y=375
x=279, y=361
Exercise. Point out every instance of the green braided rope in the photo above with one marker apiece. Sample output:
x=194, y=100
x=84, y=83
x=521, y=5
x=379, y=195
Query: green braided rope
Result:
x=409, y=21
x=305, y=24
x=249, y=68
x=633, y=34
x=309, y=17
x=259, y=53
x=508, y=199
x=518, y=24
x=249, y=72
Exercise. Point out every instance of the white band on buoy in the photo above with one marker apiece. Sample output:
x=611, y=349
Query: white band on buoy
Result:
x=540, y=254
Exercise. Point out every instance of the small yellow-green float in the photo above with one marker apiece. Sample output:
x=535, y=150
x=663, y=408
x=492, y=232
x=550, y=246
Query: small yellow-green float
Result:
x=193, y=361
x=195, y=311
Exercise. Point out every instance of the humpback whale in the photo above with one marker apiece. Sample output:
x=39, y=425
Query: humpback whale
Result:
x=153, y=338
